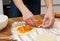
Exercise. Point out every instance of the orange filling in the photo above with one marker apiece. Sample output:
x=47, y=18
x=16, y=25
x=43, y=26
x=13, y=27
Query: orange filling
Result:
x=23, y=29
x=26, y=28
x=39, y=22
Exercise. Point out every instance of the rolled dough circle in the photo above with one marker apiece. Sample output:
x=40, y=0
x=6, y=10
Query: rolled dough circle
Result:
x=46, y=37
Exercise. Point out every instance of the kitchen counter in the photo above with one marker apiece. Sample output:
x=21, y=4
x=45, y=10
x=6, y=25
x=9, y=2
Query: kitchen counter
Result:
x=6, y=33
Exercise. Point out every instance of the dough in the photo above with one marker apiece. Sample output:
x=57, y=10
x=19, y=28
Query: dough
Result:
x=46, y=37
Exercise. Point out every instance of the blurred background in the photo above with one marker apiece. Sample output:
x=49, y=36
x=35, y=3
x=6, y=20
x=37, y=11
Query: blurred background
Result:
x=5, y=7
x=56, y=6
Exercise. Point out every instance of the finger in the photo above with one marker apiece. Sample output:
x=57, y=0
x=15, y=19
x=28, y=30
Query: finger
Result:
x=49, y=25
x=51, y=22
x=34, y=21
x=29, y=21
x=44, y=20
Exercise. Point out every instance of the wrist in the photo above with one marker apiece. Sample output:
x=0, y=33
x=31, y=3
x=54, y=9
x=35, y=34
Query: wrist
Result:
x=27, y=13
x=50, y=7
x=50, y=11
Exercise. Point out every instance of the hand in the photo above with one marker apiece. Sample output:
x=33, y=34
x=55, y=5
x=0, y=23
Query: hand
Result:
x=50, y=17
x=30, y=19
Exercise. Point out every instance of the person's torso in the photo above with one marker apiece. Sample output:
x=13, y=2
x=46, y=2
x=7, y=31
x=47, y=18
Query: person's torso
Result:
x=32, y=5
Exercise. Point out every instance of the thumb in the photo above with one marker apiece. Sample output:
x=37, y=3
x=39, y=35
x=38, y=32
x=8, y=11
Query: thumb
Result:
x=44, y=21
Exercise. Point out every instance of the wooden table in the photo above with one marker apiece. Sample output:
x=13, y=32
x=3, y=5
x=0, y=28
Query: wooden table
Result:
x=7, y=31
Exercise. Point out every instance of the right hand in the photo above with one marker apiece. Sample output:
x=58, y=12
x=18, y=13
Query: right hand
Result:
x=30, y=19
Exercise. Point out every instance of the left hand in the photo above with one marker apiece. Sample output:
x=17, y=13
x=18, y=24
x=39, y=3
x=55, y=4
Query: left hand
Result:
x=50, y=17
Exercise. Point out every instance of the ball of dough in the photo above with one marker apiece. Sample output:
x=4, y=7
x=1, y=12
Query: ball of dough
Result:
x=46, y=37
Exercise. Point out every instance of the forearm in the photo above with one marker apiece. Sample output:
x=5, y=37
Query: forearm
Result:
x=50, y=9
x=20, y=5
x=49, y=4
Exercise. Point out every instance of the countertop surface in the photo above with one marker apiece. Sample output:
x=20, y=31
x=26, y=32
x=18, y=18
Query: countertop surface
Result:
x=6, y=33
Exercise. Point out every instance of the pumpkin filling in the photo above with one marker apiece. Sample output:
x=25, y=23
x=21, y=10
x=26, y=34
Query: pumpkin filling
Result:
x=27, y=28
x=23, y=29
